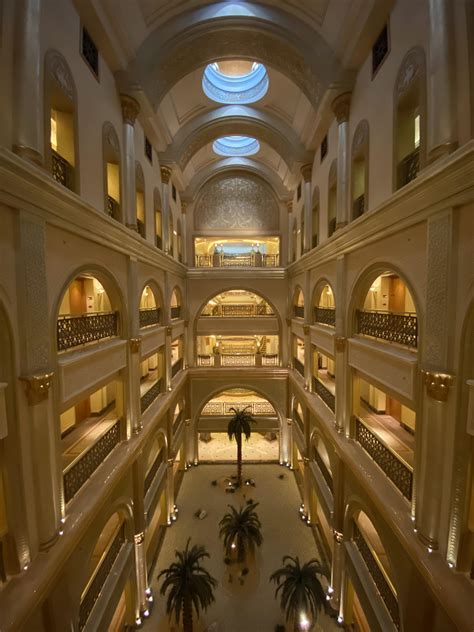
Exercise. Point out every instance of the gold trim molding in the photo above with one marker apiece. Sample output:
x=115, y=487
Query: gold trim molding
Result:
x=438, y=385
x=37, y=387
x=341, y=107
x=340, y=343
x=139, y=538
x=165, y=174
x=135, y=345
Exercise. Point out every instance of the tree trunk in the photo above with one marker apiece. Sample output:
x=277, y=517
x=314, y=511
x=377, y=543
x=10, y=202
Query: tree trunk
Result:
x=239, y=460
x=187, y=614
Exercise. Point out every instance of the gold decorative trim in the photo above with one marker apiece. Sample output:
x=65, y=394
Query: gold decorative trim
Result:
x=427, y=541
x=438, y=385
x=37, y=387
x=338, y=536
x=341, y=107
x=441, y=150
x=139, y=538
x=135, y=344
x=169, y=331
x=28, y=153
x=165, y=174
x=306, y=330
x=307, y=172
x=130, y=109
x=340, y=343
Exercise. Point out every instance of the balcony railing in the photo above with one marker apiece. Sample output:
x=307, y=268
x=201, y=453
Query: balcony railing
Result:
x=299, y=366
x=95, y=587
x=74, y=331
x=159, y=242
x=401, y=328
x=325, y=316
x=358, y=206
x=150, y=477
x=324, y=470
x=151, y=394
x=382, y=583
x=141, y=228
x=270, y=359
x=62, y=170
x=81, y=469
x=332, y=226
x=248, y=260
x=149, y=316
x=177, y=422
x=176, y=312
x=299, y=311
x=298, y=420
x=237, y=311
x=177, y=366
x=399, y=472
x=113, y=208
x=324, y=393
x=238, y=359
x=408, y=168
x=222, y=409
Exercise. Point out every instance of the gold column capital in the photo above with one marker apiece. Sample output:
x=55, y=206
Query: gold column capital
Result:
x=37, y=387
x=165, y=174
x=307, y=172
x=340, y=343
x=168, y=331
x=289, y=206
x=438, y=385
x=341, y=107
x=306, y=330
x=130, y=109
x=184, y=207
x=338, y=536
x=170, y=462
x=139, y=538
x=135, y=344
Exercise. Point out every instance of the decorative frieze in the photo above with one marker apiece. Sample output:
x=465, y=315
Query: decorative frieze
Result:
x=37, y=387
x=438, y=385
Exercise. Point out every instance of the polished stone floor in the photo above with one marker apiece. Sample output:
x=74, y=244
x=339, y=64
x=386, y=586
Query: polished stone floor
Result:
x=249, y=607
x=219, y=448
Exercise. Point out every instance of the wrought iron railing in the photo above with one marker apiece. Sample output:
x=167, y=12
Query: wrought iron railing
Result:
x=246, y=260
x=270, y=359
x=237, y=311
x=62, y=170
x=243, y=359
x=298, y=420
x=150, y=477
x=383, y=585
x=238, y=359
x=95, y=587
x=149, y=316
x=324, y=470
x=159, y=242
x=141, y=228
x=177, y=366
x=81, y=469
x=151, y=394
x=408, y=168
x=399, y=472
x=325, y=316
x=299, y=311
x=222, y=409
x=401, y=328
x=176, y=311
x=177, y=422
x=324, y=393
x=205, y=360
x=74, y=331
x=113, y=208
x=358, y=206
x=299, y=366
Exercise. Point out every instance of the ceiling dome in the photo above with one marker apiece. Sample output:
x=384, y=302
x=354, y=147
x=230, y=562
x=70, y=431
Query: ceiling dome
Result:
x=235, y=81
x=236, y=146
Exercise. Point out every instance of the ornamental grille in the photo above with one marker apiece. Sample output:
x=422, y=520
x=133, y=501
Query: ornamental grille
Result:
x=238, y=360
x=90, y=52
x=95, y=588
x=149, y=316
x=408, y=168
x=159, y=242
x=148, y=150
x=152, y=393
x=140, y=228
x=113, y=208
x=399, y=473
x=299, y=311
x=82, y=469
x=176, y=311
x=380, y=50
x=383, y=587
x=62, y=170
x=324, y=393
x=358, y=206
x=222, y=409
x=250, y=260
x=399, y=328
x=324, y=147
x=237, y=311
x=177, y=366
x=74, y=331
x=325, y=316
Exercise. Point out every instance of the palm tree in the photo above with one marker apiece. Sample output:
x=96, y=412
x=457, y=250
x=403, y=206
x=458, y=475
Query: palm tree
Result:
x=301, y=592
x=240, y=425
x=189, y=585
x=241, y=529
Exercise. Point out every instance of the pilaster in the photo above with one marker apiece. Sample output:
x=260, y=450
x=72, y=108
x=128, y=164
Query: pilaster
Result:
x=130, y=111
x=165, y=207
x=341, y=109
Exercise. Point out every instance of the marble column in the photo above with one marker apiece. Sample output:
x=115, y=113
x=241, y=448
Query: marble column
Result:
x=307, y=237
x=289, y=206
x=184, y=249
x=342, y=369
x=442, y=138
x=169, y=332
x=171, y=517
x=27, y=88
x=134, y=347
x=141, y=574
x=165, y=207
x=130, y=111
x=341, y=108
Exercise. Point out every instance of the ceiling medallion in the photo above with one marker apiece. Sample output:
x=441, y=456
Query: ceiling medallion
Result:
x=236, y=146
x=235, y=82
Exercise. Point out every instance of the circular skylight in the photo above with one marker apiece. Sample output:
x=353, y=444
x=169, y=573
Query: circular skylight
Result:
x=235, y=81
x=236, y=146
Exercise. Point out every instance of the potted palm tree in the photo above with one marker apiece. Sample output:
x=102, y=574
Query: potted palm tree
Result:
x=189, y=584
x=301, y=593
x=241, y=530
x=240, y=425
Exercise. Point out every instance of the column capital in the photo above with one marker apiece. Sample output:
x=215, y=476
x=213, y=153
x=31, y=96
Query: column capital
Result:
x=130, y=109
x=338, y=536
x=307, y=172
x=341, y=107
x=438, y=385
x=139, y=538
x=37, y=387
x=340, y=343
x=165, y=174
x=184, y=207
x=135, y=344
x=169, y=331
x=306, y=330
x=306, y=460
x=170, y=462
x=289, y=206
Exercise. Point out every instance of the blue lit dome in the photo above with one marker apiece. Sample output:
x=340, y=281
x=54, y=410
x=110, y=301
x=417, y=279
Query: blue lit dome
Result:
x=236, y=146
x=235, y=82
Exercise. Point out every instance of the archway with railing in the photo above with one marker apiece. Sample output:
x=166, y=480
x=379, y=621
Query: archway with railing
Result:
x=324, y=306
x=176, y=303
x=298, y=303
x=151, y=311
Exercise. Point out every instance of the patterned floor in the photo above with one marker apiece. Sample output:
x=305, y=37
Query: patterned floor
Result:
x=257, y=448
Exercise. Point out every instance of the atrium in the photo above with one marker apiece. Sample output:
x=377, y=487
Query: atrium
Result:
x=209, y=206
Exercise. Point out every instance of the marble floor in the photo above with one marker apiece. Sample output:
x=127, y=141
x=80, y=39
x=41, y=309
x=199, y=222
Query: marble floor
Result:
x=252, y=606
x=219, y=448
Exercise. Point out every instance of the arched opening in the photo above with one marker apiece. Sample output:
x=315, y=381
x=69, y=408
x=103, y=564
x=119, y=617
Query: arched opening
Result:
x=298, y=354
x=298, y=303
x=410, y=117
x=332, y=198
x=177, y=355
x=237, y=304
x=150, y=309
x=111, y=157
x=324, y=307
x=214, y=444
x=388, y=313
x=315, y=219
x=60, y=121
x=219, y=252
x=140, y=200
x=152, y=378
x=158, y=220
x=176, y=304
x=87, y=314
x=360, y=170
x=324, y=377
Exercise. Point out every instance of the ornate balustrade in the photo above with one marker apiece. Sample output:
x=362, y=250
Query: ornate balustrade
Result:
x=399, y=472
x=324, y=470
x=270, y=359
x=103, y=571
x=324, y=393
x=81, y=469
x=150, y=477
x=176, y=312
x=246, y=260
x=62, y=170
x=401, y=328
x=222, y=409
x=177, y=366
x=74, y=331
x=238, y=360
x=358, y=206
x=299, y=366
x=381, y=581
x=325, y=316
x=408, y=168
x=299, y=311
x=149, y=316
x=237, y=311
x=113, y=208
x=205, y=360
x=151, y=394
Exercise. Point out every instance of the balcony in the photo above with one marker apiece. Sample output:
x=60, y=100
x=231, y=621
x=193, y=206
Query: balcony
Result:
x=238, y=359
x=324, y=393
x=400, y=328
x=237, y=311
x=62, y=170
x=141, y=228
x=151, y=394
x=149, y=316
x=325, y=316
x=150, y=477
x=247, y=260
x=324, y=470
x=299, y=311
x=113, y=208
x=75, y=331
x=176, y=312
x=408, y=168
x=219, y=408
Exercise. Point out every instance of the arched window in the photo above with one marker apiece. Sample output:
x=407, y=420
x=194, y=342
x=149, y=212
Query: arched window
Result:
x=332, y=198
x=178, y=241
x=298, y=303
x=60, y=121
x=111, y=152
x=158, y=220
x=410, y=118
x=150, y=311
x=324, y=308
x=360, y=171
x=140, y=199
x=237, y=304
x=176, y=304
x=315, y=222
